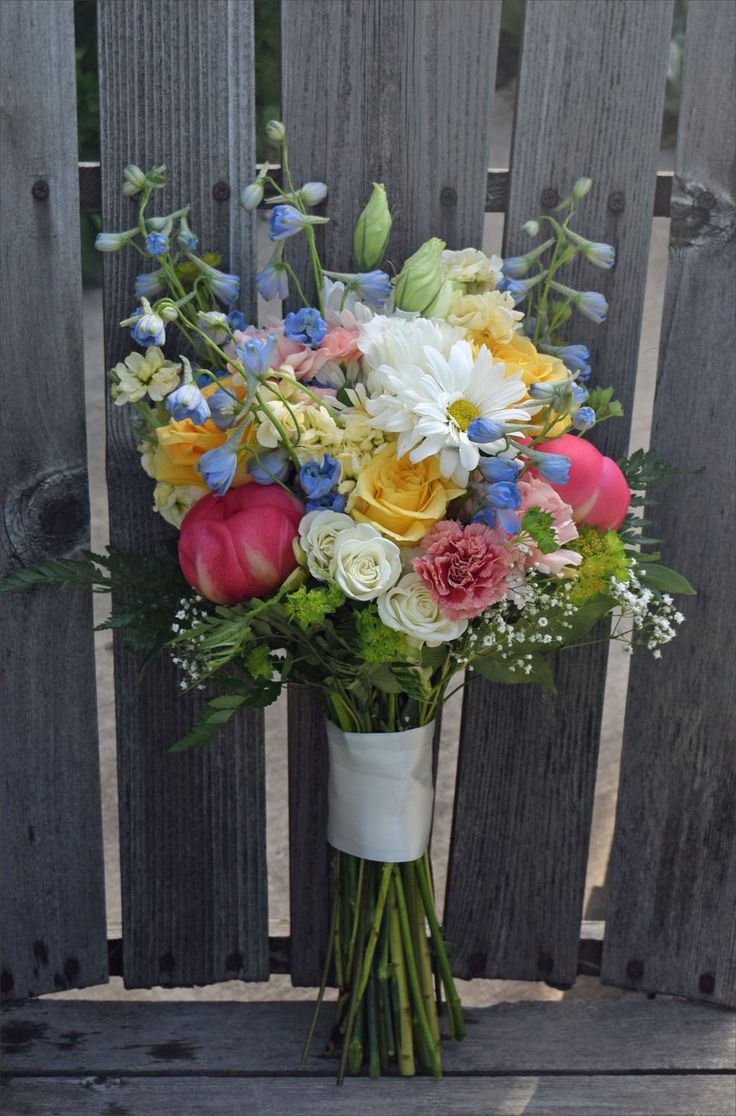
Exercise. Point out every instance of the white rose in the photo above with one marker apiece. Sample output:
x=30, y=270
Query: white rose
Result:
x=364, y=563
x=317, y=533
x=409, y=608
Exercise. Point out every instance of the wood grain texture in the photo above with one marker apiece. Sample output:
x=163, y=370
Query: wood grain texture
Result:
x=392, y=92
x=366, y=90
x=176, y=87
x=672, y=898
x=52, y=901
x=607, y=1095
x=589, y=102
x=623, y=1036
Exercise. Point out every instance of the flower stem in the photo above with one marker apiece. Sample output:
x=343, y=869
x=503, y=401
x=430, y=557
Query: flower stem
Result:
x=427, y=1044
x=403, y=1014
x=454, y=1006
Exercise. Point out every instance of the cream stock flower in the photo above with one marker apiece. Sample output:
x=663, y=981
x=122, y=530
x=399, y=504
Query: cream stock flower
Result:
x=491, y=313
x=473, y=268
x=140, y=375
x=364, y=564
x=173, y=501
x=409, y=608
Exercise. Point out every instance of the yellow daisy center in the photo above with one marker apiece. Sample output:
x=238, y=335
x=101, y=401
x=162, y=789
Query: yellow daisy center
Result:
x=462, y=413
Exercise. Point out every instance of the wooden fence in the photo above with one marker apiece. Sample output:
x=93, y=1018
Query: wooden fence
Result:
x=399, y=92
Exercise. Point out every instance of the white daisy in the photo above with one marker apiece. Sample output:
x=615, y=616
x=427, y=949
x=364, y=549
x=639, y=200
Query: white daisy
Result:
x=402, y=339
x=431, y=411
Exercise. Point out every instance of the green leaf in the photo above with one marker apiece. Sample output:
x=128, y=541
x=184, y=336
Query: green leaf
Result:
x=413, y=682
x=382, y=677
x=586, y=617
x=603, y=403
x=496, y=670
x=62, y=572
x=540, y=525
x=663, y=579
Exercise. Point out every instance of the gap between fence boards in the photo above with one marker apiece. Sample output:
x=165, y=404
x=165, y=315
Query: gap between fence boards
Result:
x=590, y=951
x=497, y=188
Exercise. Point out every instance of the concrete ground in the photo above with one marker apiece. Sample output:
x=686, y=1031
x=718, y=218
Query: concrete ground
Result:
x=477, y=993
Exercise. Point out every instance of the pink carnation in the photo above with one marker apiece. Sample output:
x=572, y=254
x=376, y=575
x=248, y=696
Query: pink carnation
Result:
x=536, y=493
x=465, y=568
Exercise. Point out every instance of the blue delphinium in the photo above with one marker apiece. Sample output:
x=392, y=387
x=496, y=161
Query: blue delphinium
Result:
x=217, y=468
x=286, y=221
x=306, y=326
x=482, y=431
x=271, y=466
x=372, y=287
x=331, y=501
x=149, y=284
x=222, y=409
x=499, y=468
x=317, y=478
x=146, y=326
x=583, y=418
x=552, y=467
x=236, y=320
x=157, y=243
x=257, y=355
x=574, y=357
x=188, y=402
x=273, y=280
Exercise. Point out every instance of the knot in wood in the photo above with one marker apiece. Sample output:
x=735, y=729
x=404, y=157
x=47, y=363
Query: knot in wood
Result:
x=550, y=197
x=448, y=197
x=221, y=191
x=40, y=189
x=616, y=201
x=706, y=983
x=48, y=516
x=635, y=970
x=707, y=200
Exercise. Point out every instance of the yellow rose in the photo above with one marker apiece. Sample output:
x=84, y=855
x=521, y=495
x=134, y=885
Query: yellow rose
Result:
x=180, y=446
x=520, y=355
x=400, y=499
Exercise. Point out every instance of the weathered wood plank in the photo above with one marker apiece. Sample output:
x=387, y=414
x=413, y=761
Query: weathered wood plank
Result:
x=497, y=188
x=176, y=87
x=607, y=1095
x=52, y=906
x=527, y=763
x=625, y=1036
x=672, y=889
x=381, y=72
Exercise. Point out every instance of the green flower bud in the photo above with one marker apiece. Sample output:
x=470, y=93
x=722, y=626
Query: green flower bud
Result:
x=420, y=279
x=276, y=131
x=372, y=230
x=581, y=188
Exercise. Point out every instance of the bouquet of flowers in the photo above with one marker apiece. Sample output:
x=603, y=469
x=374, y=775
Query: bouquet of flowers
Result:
x=386, y=487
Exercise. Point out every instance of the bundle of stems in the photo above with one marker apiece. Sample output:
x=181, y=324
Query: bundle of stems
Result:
x=390, y=976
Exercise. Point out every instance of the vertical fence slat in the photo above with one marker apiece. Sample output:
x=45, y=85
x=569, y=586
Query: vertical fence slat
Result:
x=176, y=85
x=590, y=99
x=52, y=909
x=671, y=923
x=399, y=93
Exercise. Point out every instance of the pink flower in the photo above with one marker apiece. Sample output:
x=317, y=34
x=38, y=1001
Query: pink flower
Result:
x=465, y=568
x=342, y=344
x=303, y=360
x=536, y=493
x=596, y=490
x=239, y=545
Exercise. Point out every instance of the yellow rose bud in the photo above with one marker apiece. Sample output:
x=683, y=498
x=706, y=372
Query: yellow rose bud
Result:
x=372, y=230
x=420, y=279
x=400, y=499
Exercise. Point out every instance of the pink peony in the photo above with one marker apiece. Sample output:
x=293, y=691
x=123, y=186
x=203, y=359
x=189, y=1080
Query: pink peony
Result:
x=536, y=493
x=465, y=568
x=596, y=490
x=239, y=545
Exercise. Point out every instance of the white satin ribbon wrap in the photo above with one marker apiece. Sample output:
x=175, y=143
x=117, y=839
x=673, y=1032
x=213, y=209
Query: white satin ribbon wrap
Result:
x=380, y=793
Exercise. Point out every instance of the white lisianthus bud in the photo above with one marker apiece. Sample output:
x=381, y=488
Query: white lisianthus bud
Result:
x=531, y=228
x=276, y=131
x=364, y=563
x=409, y=608
x=420, y=279
x=251, y=197
x=317, y=533
x=581, y=188
x=134, y=179
x=312, y=193
x=372, y=230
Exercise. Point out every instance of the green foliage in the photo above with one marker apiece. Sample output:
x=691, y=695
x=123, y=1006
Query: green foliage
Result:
x=643, y=471
x=376, y=642
x=219, y=710
x=540, y=525
x=309, y=607
x=506, y=673
x=603, y=403
x=664, y=580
